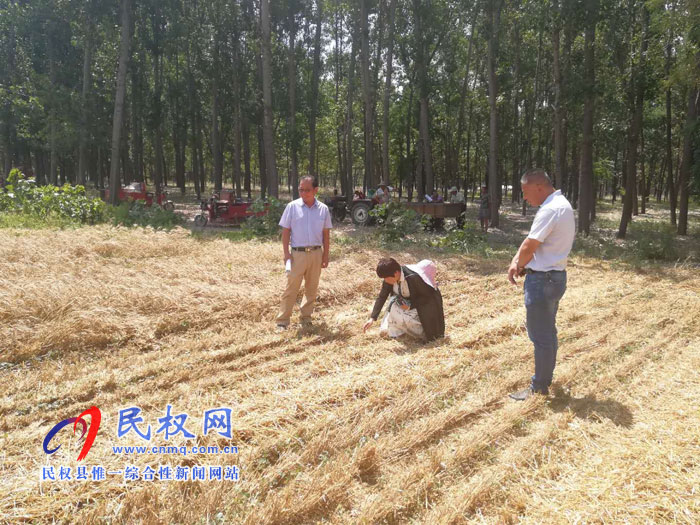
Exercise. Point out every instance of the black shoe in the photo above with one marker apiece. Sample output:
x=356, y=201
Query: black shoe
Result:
x=522, y=395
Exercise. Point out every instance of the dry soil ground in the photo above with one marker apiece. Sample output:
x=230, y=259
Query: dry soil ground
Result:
x=334, y=425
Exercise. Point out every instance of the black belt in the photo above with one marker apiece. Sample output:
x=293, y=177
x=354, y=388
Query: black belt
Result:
x=305, y=248
x=530, y=270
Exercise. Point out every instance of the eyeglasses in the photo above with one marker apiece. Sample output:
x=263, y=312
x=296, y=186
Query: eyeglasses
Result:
x=302, y=190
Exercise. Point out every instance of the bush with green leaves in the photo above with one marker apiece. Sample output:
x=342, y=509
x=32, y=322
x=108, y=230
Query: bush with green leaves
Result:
x=136, y=213
x=265, y=225
x=468, y=239
x=395, y=221
x=65, y=204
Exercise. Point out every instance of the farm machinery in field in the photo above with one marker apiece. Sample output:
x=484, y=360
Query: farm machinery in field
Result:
x=224, y=209
x=439, y=211
x=359, y=209
x=137, y=191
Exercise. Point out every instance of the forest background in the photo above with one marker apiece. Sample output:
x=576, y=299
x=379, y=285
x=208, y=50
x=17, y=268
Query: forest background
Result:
x=424, y=94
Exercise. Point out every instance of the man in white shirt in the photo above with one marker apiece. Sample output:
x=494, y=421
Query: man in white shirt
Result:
x=542, y=256
x=383, y=193
x=456, y=196
x=306, y=225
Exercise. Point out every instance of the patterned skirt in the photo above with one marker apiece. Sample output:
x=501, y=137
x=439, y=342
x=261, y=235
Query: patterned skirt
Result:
x=398, y=321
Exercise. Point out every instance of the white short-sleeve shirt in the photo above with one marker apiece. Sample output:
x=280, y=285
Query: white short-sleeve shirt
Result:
x=306, y=222
x=554, y=226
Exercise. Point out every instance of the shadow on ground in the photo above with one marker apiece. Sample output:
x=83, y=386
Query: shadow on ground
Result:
x=591, y=408
x=407, y=344
x=322, y=331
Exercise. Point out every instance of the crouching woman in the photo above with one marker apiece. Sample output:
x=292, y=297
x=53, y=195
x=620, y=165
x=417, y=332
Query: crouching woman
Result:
x=415, y=307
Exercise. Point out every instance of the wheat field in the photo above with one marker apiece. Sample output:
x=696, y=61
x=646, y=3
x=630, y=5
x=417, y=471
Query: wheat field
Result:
x=333, y=425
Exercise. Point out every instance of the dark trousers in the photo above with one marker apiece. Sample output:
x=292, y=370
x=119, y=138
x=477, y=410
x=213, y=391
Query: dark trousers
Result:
x=543, y=290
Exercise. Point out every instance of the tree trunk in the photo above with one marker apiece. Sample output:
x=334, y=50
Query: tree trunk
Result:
x=614, y=177
x=642, y=186
x=158, y=27
x=469, y=172
x=419, y=176
x=114, y=182
x=515, y=194
x=409, y=113
x=136, y=120
x=262, y=161
x=158, y=131
x=374, y=89
x=292, y=77
x=339, y=135
x=659, y=187
x=387, y=93
x=585, y=175
x=366, y=92
x=53, y=131
x=426, y=150
x=237, y=144
x=216, y=149
x=643, y=183
x=178, y=148
x=463, y=98
x=200, y=154
x=425, y=181
x=535, y=100
x=268, y=130
x=238, y=126
x=637, y=97
x=87, y=61
x=559, y=150
x=669, y=125
x=348, y=120
x=125, y=161
x=9, y=133
x=687, y=162
x=192, y=95
x=494, y=22
x=179, y=128
x=315, y=77
x=246, y=159
x=216, y=146
x=573, y=168
x=565, y=58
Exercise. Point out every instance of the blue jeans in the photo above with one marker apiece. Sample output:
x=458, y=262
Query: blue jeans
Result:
x=543, y=290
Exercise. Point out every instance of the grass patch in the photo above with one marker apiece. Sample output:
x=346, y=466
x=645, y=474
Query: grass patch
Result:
x=654, y=241
x=646, y=241
x=136, y=213
x=32, y=222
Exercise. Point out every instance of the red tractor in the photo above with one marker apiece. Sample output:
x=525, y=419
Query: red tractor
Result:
x=136, y=191
x=224, y=208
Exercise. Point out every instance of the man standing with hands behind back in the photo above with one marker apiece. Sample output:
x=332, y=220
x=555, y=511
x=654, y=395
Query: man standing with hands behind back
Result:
x=306, y=225
x=542, y=258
